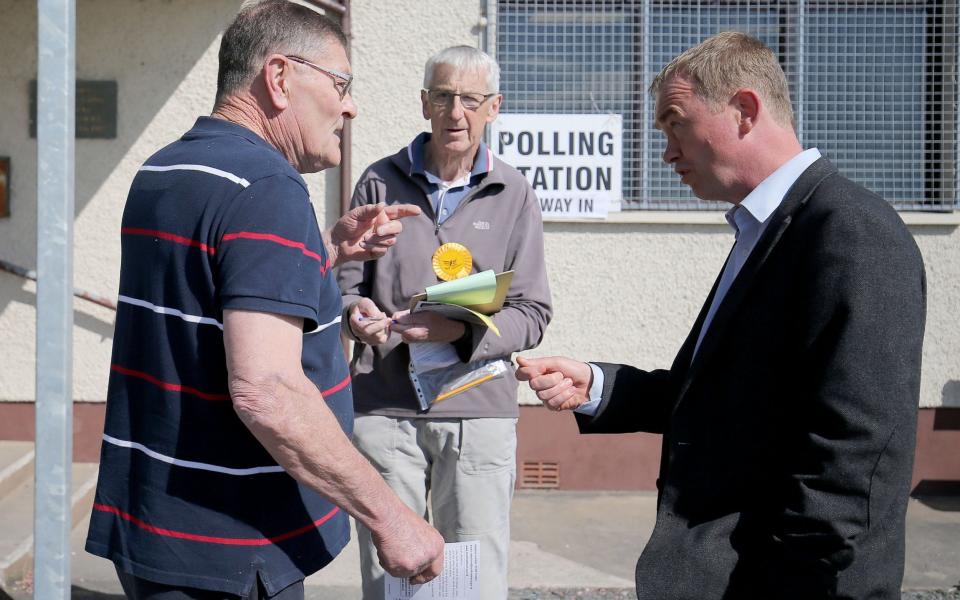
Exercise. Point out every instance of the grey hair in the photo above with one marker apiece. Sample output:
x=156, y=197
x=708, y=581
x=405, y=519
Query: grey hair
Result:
x=464, y=58
x=727, y=62
x=268, y=27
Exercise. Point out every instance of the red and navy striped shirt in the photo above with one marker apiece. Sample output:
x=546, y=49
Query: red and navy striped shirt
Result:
x=187, y=496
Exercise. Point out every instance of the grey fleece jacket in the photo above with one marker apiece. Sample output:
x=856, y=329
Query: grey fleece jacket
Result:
x=499, y=222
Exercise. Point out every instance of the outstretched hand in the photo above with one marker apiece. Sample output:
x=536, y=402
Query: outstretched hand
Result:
x=367, y=232
x=560, y=383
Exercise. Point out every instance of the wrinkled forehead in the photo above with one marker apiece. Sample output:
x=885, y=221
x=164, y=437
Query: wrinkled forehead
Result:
x=674, y=94
x=334, y=55
x=451, y=77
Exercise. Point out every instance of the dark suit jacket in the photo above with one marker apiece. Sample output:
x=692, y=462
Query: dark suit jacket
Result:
x=788, y=440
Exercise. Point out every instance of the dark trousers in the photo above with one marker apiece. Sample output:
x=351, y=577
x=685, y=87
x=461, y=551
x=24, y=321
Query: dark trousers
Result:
x=136, y=588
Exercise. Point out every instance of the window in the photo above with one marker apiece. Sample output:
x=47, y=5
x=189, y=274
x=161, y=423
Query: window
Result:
x=874, y=82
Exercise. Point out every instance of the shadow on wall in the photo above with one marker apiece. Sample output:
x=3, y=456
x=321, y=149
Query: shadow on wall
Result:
x=149, y=48
x=79, y=593
x=12, y=289
x=939, y=495
x=944, y=494
x=951, y=393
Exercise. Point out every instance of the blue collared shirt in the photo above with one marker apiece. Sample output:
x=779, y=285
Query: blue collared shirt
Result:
x=445, y=196
x=749, y=220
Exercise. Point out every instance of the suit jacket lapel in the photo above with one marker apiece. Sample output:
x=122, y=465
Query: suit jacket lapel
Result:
x=780, y=220
x=684, y=357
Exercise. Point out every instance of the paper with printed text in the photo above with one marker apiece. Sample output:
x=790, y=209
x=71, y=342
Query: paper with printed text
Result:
x=460, y=579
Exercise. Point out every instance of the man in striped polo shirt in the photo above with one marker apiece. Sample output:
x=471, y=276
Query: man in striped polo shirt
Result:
x=226, y=468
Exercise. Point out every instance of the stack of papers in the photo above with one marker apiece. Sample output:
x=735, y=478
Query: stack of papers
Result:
x=435, y=369
x=469, y=299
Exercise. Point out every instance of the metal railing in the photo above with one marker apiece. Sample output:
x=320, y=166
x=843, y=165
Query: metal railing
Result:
x=77, y=292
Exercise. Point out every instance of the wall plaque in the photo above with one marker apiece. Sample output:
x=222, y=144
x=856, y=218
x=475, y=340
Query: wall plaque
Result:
x=96, y=109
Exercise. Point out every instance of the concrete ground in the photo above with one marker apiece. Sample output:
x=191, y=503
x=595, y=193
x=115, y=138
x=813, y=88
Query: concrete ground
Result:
x=584, y=545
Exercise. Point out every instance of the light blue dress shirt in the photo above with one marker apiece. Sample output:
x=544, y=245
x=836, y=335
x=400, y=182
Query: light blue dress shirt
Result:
x=749, y=220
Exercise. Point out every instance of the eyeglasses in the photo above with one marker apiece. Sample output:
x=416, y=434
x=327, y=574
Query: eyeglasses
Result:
x=341, y=81
x=469, y=100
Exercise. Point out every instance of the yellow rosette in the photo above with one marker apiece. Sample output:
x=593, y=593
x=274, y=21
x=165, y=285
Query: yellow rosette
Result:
x=452, y=261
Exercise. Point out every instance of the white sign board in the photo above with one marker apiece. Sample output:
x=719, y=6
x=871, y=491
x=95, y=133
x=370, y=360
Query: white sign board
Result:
x=573, y=162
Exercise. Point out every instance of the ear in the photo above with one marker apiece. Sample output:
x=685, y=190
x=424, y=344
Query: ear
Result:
x=747, y=104
x=425, y=104
x=276, y=75
x=494, y=108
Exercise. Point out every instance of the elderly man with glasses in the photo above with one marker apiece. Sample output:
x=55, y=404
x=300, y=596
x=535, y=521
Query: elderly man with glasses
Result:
x=461, y=452
x=226, y=469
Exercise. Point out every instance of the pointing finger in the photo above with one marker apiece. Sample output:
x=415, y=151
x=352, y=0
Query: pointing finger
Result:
x=367, y=212
x=390, y=228
x=399, y=211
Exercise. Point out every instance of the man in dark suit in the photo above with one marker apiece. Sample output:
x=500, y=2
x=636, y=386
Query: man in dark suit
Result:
x=789, y=414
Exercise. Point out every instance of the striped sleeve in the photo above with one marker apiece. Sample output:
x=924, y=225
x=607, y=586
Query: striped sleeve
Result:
x=271, y=257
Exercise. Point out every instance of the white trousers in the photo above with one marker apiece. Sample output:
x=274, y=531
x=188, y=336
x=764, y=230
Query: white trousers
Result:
x=467, y=469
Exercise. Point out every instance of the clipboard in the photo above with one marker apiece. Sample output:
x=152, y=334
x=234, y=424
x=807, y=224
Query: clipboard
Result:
x=436, y=383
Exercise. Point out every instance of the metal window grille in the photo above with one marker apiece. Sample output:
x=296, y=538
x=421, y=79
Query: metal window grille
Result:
x=874, y=82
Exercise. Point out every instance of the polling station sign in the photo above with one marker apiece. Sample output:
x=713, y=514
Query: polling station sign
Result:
x=573, y=162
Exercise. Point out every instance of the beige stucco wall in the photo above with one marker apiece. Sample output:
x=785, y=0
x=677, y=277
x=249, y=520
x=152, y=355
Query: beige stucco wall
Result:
x=642, y=286
x=163, y=55
x=622, y=291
